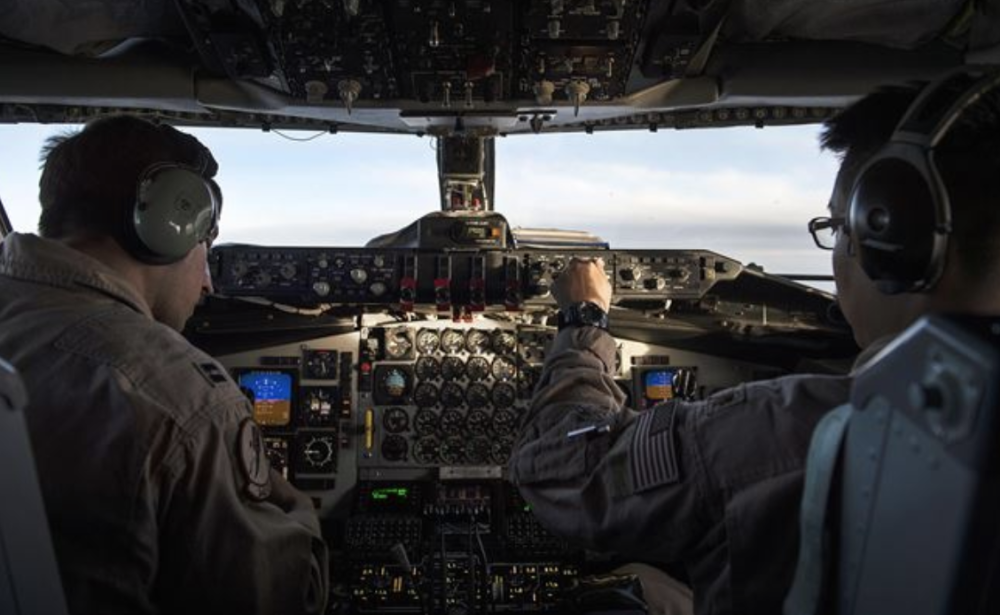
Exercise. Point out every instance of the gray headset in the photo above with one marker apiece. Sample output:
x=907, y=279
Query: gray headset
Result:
x=176, y=208
x=900, y=211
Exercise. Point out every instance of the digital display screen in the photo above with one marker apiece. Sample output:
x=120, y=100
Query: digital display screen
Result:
x=391, y=494
x=658, y=385
x=272, y=396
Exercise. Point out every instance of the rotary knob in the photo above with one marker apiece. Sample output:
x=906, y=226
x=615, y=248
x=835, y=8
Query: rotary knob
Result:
x=359, y=276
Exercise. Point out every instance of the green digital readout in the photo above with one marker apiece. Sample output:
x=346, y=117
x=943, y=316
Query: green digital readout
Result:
x=390, y=493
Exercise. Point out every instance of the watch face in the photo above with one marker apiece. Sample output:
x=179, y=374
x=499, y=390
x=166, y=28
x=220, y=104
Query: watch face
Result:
x=590, y=313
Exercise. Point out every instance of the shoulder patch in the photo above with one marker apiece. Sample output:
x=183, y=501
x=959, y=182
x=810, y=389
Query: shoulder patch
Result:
x=211, y=372
x=253, y=460
x=654, y=458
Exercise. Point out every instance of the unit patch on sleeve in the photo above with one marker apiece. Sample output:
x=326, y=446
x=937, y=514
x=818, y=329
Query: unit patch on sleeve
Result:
x=253, y=461
x=654, y=458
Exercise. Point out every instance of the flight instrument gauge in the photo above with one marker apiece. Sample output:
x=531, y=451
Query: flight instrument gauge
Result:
x=504, y=342
x=398, y=344
x=427, y=368
x=426, y=450
x=428, y=341
x=504, y=422
x=452, y=368
x=477, y=395
x=317, y=406
x=477, y=341
x=477, y=450
x=503, y=395
x=319, y=364
x=452, y=341
x=394, y=448
x=504, y=369
x=392, y=384
x=317, y=453
x=452, y=395
x=477, y=422
x=500, y=450
x=453, y=450
x=478, y=368
x=395, y=420
x=426, y=395
x=451, y=422
x=426, y=422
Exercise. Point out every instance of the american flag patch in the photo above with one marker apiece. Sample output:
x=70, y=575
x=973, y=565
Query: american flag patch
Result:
x=654, y=461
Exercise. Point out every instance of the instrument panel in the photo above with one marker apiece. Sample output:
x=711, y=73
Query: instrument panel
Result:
x=400, y=421
x=472, y=280
x=401, y=430
x=441, y=395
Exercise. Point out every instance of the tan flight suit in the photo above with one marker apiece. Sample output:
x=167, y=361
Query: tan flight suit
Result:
x=713, y=485
x=158, y=492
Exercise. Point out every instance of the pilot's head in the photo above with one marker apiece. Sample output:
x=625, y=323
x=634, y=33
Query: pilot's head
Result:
x=969, y=163
x=143, y=191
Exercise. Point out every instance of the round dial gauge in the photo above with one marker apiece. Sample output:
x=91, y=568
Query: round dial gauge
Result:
x=317, y=406
x=452, y=341
x=504, y=422
x=477, y=341
x=504, y=369
x=477, y=395
x=426, y=450
x=478, y=368
x=394, y=384
x=394, y=448
x=319, y=453
x=427, y=368
x=451, y=421
x=477, y=422
x=503, y=395
x=500, y=450
x=426, y=422
x=452, y=395
x=452, y=368
x=504, y=342
x=426, y=395
x=395, y=420
x=477, y=450
x=397, y=343
x=453, y=450
x=428, y=341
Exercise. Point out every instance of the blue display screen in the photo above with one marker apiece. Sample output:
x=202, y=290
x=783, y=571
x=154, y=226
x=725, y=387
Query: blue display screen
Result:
x=272, y=396
x=658, y=385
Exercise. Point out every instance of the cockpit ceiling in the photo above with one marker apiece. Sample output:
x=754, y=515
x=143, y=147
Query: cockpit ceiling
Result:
x=474, y=66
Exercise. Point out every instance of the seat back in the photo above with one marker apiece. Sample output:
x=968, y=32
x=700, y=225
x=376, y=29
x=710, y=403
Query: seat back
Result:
x=913, y=522
x=29, y=577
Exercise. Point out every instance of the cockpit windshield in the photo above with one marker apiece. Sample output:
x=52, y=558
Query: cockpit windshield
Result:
x=740, y=191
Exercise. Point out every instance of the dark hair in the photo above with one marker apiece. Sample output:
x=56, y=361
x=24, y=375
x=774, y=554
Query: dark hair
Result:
x=89, y=178
x=968, y=159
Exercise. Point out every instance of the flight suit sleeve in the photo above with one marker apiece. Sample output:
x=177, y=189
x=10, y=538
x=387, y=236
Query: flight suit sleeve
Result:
x=599, y=473
x=235, y=537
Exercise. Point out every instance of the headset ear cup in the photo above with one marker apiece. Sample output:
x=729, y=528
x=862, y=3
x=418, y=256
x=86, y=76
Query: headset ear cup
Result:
x=175, y=209
x=892, y=219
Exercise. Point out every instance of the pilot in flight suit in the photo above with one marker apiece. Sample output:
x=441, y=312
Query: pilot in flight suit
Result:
x=158, y=490
x=715, y=485
x=712, y=484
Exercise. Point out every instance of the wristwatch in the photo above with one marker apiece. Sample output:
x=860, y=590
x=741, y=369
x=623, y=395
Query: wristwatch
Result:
x=583, y=314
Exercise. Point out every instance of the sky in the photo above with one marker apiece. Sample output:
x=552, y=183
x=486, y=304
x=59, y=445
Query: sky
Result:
x=743, y=192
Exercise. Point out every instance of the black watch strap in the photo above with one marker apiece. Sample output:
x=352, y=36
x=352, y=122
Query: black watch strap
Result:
x=583, y=314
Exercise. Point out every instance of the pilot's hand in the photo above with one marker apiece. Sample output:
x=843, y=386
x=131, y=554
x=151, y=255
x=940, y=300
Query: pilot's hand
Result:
x=583, y=280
